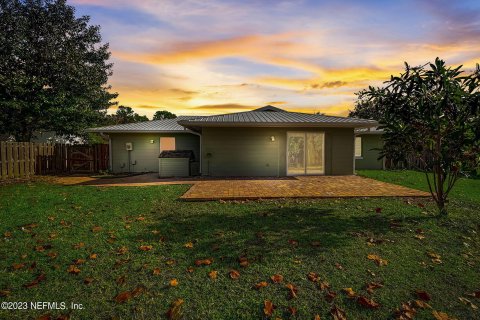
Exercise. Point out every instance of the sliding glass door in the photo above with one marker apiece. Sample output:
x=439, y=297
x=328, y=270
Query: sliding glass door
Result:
x=305, y=153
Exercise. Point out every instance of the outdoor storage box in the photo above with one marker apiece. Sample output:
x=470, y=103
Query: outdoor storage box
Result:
x=175, y=163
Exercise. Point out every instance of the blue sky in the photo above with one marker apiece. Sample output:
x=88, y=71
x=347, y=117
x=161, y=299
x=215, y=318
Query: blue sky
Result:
x=216, y=56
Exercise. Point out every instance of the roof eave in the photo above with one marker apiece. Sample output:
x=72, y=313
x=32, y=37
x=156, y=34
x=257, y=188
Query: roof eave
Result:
x=279, y=124
x=139, y=131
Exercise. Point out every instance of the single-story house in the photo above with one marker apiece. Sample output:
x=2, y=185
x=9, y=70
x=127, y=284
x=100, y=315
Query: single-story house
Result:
x=368, y=142
x=263, y=142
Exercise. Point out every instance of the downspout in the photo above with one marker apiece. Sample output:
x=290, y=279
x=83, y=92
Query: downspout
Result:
x=110, y=155
x=354, y=136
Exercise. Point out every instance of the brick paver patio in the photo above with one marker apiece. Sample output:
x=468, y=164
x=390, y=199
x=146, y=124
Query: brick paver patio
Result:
x=300, y=187
x=204, y=188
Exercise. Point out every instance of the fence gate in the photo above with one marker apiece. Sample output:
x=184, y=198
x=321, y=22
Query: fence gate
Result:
x=84, y=158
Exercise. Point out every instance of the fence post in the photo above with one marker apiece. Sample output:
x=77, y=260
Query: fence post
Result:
x=3, y=151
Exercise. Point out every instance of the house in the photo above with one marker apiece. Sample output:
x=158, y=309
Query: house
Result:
x=368, y=142
x=263, y=142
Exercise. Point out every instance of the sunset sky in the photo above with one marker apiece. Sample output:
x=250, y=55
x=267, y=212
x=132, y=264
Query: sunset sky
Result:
x=218, y=56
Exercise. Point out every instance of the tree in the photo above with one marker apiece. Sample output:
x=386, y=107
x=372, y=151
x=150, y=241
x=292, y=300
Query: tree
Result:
x=365, y=108
x=124, y=115
x=53, y=69
x=432, y=114
x=164, y=114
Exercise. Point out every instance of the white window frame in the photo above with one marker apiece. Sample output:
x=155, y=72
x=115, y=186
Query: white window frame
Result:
x=361, y=148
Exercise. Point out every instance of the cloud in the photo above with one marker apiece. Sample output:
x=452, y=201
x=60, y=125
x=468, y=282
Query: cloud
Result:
x=276, y=103
x=227, y=106
x=330, y=84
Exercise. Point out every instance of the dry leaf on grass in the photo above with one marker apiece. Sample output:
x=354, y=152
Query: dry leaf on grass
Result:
x=175, y=311
x=156, y=271
x=367, y=303
x=312, y=276
x=276, y=278
x=188, y=245
x=213, y=274
x=17, y=266
x=79, y=245
x=73, y=269
x=350, y=293
x=96, y=229
x=423, y=295
x=468, y=303
x=41, y=277
x=88, y=280
x=330, y=295
x=234, y=274
x=268, y=308
x=324, y=285
x=261, y=284
x=203, y=262
x=337, y=313
x=243, y=261
x=4, y=293
x=292, y=290
x=371, y=286
x=93, y=256
x=379, y=261
x=173, y=283
x=436, y=258
x=145, y=248
x=190, y=269
x=442, y=316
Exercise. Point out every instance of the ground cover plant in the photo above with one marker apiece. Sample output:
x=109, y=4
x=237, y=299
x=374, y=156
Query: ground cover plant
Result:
x=140, y=253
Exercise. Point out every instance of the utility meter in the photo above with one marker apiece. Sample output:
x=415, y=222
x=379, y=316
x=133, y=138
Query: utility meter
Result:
x=129, y=146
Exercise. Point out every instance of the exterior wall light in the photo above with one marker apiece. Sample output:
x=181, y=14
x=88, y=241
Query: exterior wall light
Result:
x=272, y=138
x=152, y=141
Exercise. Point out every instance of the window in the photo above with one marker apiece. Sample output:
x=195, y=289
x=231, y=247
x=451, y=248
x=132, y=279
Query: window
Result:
x=167, y=143
x=358, y=147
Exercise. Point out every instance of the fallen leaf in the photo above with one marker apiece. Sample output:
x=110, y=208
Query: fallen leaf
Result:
x=123, y=297
x=73, y=269
x=79, y=261
x=379, y=261
x=292, y=290
x=441, y=316
x=419, y=236
x=243, y=262
x=330, y=295
x=436, y=258
x=190, y=269
x=422, y=304
x=137, y=291
x=121, y=280
x=41, y=277
x=17, y=266
x=173, y=283
x=213, y=274
x=51, y=218
x=268, y=308
x=407, y=312
x=146, y=248
x=203, y=262
x=96, y=229
x=79, y=245
x=372, y=285
x=88, y=280
x=234, y=274
x=324, y=285
x=156, y=271
x=261, y=284
x=367, y=303
x=170, y=262
x=140, y=218
x=350, y=293
x=423, y=295
x=52, y=254
x=155, y=232
x=93, y=256
x=188, y=245
x=293, y=242
x=317, y=317
x=4, y=293
x=338, y=266
x=7, y=234
x=175, y=311
x=43, y=248
x=312, y=276
x=337, y=313
x=468, y=303
x=277, y=278
x=292, y=311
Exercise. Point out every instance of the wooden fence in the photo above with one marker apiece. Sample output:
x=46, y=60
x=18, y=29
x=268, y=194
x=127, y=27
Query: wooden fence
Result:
x=24, y=159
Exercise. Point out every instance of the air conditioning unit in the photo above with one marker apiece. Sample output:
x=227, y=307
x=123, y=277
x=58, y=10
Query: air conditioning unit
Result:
x=129, y=146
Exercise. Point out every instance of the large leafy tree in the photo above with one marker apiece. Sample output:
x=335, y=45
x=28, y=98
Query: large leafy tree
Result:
x=431, y=113
x=53, y=69
x=125, y=115
x=164, y=114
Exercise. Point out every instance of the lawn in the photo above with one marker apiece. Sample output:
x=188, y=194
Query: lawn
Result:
x=84, y=245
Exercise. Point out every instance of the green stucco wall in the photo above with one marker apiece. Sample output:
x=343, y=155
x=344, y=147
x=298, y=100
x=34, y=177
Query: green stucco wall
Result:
x=146, y=153
x=369, y=159
x=250, y=151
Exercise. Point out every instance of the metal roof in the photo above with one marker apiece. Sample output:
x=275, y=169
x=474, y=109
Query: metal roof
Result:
x=364, y=131
x=258, y=118
x=167, y=125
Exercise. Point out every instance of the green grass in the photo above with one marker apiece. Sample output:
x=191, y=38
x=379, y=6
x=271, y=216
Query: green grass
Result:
x=259, y=230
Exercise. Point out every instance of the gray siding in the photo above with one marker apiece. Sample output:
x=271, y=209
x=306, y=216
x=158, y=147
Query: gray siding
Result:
x=250, y=152
x=145, y=153
x=369, y=158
